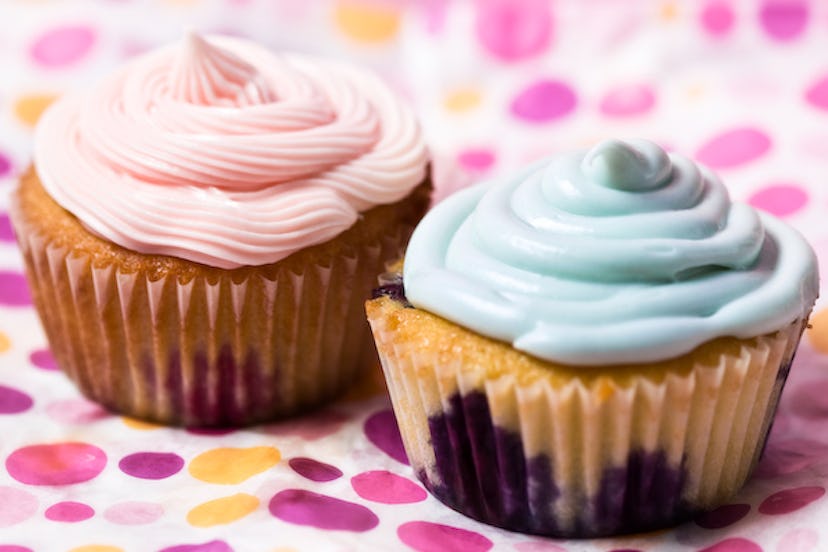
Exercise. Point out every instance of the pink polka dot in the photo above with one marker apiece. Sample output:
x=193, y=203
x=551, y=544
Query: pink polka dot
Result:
x=737, y=544
x=723, y=516
x=62, y=46
x=13, y=401
x=425, y=536
x=790, y=500
x=14, y=292
x=76, y=411
x=717, y=18
x=798, y=540
x=212, y=546
x=734, y=147
x=387, y=488
x=43, y=359
x=514, y=29
x=16, y=505
x=56, y=464
x=627, y=101
x=303, y=507
x=14, y=548
x=69, y=512
x=543, y=101
x=789, y=456
x=476, y=159
x=314, y=470
x=811, y=401
x=817, y=93
x=151, y=465
x=381, y=429
x=784, y=19
x=780, y=199
x=134, y=513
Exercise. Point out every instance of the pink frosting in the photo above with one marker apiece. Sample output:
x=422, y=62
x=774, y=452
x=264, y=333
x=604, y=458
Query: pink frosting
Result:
x=224, y=153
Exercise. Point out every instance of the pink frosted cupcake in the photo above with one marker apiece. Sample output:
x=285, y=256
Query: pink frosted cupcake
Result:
x=201, y=228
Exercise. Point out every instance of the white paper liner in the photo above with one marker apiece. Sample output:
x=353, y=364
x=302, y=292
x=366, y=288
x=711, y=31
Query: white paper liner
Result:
x=206, y=352
x=711, y=423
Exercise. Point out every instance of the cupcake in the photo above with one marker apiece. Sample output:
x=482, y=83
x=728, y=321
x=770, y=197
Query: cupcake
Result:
x=201, y=229
x=594, y=346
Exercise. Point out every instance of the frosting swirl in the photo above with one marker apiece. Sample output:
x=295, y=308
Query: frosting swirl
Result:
x=619, y=254
x=224, y=153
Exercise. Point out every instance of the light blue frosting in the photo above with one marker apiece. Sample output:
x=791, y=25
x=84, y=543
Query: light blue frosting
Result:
x=619, y=254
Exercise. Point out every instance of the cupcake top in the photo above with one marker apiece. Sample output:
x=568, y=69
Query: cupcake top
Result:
x=221, y=152
x=619, y=254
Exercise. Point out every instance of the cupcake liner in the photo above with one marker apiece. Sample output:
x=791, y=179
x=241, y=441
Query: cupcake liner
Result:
x=589, y=456
x=231, y=349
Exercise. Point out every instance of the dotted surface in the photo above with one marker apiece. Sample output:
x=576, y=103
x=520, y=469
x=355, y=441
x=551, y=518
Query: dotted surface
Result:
x=741, y=86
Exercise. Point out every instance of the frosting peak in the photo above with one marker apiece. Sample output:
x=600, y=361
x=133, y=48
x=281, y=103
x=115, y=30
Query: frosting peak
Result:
x=218, y=151
x=619, y=254
x=636, y=165
x=204, y=74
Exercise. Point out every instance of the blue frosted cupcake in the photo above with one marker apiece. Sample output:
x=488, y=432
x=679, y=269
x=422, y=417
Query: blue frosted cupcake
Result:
x=594, y=346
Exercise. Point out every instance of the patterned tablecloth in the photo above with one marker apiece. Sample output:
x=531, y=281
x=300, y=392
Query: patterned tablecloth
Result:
x=741, y=86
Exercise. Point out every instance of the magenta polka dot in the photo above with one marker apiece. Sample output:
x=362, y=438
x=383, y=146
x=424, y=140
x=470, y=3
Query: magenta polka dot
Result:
x=62, y=46
x=134, y=513
x=16, y=506
x=790, y=500
x=5, y=165
x=717, y=18
x=381, y=429
x=723, y=516
x=781, y=200
x=387, y=488
x=14, y=292
x=43, y=359
x=783, y=19
x=6, y=230
x=76, y=411
x=314, y=470
x=14, y=548
x=13, y=401
x=425, y=536
x=543, y=101
x=627, y=101
x=476, y=159
x=151, y=465
x=56, y=464
x=303, y=507
x=514, y=29
x=210, y=431
x=817, y=93
x=736, y=544
x=734, y=147
x=69, y=511
x=212, y=546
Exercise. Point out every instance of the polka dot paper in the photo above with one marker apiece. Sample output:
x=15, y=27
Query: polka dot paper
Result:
x=741, y=86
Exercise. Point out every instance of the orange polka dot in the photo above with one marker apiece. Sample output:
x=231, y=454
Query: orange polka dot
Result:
x=30, y=107
x=818, y=332
x=368, y=22
x=463, y=99
x=96, y=548
x=668, y=11
x=228, y=466
x=5, y=343
x=140, y=425
x=222, y=510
